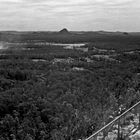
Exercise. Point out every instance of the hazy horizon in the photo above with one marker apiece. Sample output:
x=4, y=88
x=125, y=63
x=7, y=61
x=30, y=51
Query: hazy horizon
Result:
x=75, y=15
x=69, y=31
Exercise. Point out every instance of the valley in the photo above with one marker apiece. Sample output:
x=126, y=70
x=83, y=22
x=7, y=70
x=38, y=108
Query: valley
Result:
x=67, y=85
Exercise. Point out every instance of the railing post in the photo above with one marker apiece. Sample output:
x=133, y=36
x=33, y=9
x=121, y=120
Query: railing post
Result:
x=139, y=116
x=118, y=135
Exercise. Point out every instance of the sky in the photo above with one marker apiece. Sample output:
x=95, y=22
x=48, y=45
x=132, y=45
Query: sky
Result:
x=75, y=15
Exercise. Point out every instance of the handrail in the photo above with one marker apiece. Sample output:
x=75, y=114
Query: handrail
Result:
x=116, y=119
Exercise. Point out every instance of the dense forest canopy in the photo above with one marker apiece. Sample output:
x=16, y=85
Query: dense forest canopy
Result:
x=51, y=93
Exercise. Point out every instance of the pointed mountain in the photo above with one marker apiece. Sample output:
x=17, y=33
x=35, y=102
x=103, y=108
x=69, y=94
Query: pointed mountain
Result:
x=64, y=31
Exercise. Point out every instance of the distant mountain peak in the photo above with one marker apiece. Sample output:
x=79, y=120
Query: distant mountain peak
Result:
x=64, y=31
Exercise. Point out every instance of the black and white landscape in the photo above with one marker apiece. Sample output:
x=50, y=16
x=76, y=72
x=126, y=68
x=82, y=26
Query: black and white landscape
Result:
x=76, y=83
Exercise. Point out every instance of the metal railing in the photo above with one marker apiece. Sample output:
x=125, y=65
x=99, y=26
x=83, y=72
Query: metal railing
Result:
x=112, y=122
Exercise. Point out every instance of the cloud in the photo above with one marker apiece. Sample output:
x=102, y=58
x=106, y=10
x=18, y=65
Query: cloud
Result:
x=75, y=14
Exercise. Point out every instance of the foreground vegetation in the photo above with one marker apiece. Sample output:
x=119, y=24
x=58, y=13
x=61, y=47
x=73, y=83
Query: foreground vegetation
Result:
x=54, y=100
